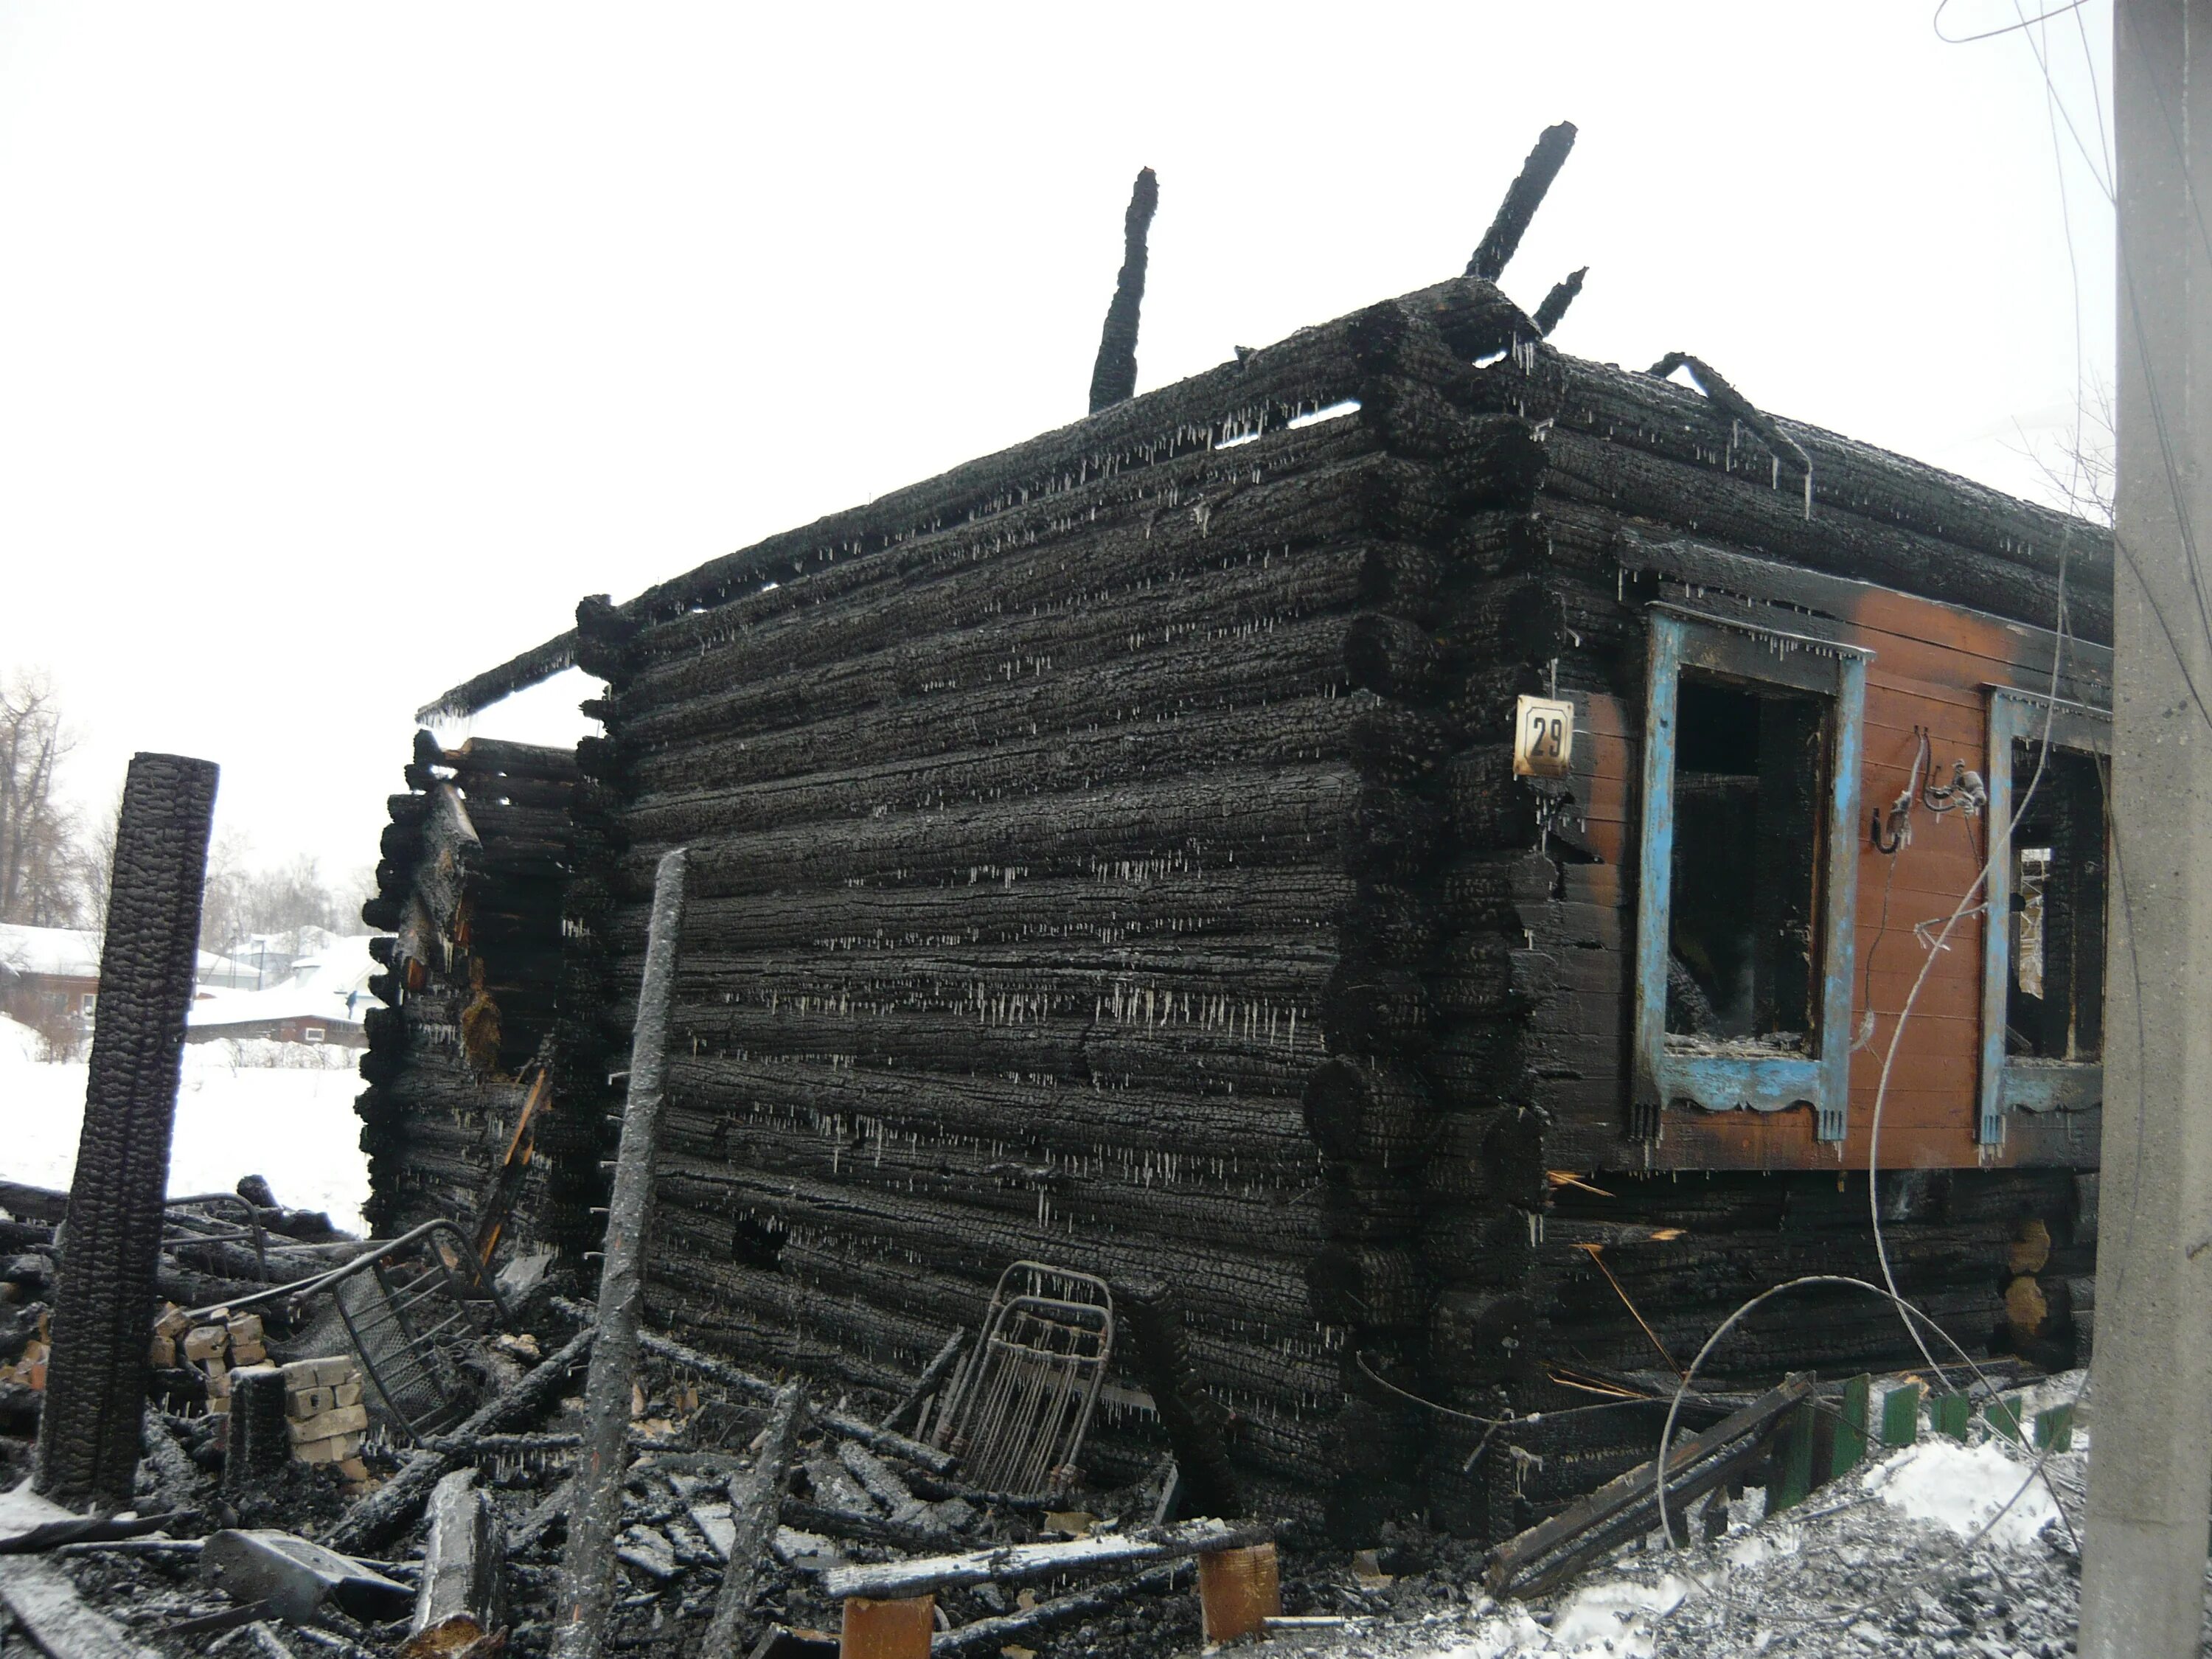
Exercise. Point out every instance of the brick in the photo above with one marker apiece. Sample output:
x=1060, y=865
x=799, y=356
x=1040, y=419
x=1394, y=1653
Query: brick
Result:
x=173, y=1323
x=304, y=1403
x=346, y=1393
x=218, y=1381
x=337, y=1369
x=206, y=1342
x=353, y=1469
x=161, y=1353
x=248, y=1353
x=343, y=1419
x=331, y=1450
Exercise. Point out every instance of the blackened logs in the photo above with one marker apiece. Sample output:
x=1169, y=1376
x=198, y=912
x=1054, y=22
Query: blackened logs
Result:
x=89, y=1435
x=731, y=1377
x=754, y=1498
x=1523, y=198
x=1369, y=1110
x=927, y=1385
x=393, y=1506
x=1113, y=378
x=587, y=1567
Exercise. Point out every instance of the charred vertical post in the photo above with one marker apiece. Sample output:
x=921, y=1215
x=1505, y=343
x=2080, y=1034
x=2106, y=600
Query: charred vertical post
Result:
x=1113, y=378
x=588, y=1568
x=88, y=1438
x=754, y=1500
x=1190, y=1417
x=260, y=1446
x=1522, y=200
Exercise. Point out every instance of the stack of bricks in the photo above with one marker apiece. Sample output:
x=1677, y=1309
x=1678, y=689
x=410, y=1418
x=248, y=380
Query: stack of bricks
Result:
x=322, y=1397
x=215, y=1349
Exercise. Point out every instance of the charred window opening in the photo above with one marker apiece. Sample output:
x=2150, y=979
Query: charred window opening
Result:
x=2055, y=1002
x=1744, y=917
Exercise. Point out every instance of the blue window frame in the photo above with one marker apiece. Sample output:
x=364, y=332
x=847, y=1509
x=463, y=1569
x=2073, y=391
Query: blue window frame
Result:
x=2021, y=1083
x=1750, y=1074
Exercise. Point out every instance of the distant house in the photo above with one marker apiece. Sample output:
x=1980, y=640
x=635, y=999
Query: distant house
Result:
x=322, y=999
x=265, y=960
x=49, y=976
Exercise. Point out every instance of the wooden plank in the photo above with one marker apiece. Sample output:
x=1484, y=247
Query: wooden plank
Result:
x=1016, y=1564
x=1793, y=1460
x=1850, y=1444
x=1948, y=1415
x=1900, y=1414
x=1627, y=1506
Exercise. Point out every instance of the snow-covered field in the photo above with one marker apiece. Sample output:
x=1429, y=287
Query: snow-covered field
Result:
x=281, y=1110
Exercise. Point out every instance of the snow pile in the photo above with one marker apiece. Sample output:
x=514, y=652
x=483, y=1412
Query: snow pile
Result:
x=243, y=1109
x=1962, y=1487
x=19, y=1044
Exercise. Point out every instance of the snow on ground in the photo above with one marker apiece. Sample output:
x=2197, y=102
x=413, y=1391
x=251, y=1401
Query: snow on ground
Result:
x=1886, y=1561
x=282, y=1111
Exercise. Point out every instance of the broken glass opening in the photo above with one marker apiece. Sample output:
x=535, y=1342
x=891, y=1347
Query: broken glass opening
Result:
x=2054, y=1008
x=1743, y=916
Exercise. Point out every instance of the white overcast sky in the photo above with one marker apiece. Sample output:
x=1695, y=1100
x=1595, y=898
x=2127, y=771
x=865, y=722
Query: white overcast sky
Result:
x=343, y=347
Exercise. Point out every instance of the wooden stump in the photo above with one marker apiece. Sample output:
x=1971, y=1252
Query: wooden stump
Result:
x=1238, y=1591
x=887, y=1630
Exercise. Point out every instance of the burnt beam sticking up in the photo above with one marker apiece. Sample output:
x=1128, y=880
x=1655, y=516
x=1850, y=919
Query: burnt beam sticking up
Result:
x=1113, y=378
x=1740, y=408
x=1522, y=200
x=88, y=1437
x=1554, y=309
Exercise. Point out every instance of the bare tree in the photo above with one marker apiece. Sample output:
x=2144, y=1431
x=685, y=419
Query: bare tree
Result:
x=39, y=862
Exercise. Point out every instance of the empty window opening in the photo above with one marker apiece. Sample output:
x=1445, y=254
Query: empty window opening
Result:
x=1743, y=914
x=2055, y=1005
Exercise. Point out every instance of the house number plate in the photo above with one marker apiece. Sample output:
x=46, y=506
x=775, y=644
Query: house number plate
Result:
x=1543, y=738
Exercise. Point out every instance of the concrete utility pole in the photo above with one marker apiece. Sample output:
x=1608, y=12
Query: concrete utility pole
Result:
x=2150, y=1475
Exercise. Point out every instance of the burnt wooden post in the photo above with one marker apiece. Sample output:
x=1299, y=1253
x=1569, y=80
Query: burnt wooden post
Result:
x=587, y=1566
x=1114, y=376
x=88, y=1437
x=260, y=1439
x=755, y=1497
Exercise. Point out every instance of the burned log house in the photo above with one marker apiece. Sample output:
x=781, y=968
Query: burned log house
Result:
x=1113, y=853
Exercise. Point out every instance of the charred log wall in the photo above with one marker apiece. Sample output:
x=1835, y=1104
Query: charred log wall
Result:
x=475, y=874
x=1109, y=853
x=1041, y=851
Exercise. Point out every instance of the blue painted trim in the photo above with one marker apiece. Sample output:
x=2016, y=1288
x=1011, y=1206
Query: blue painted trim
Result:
x=1655, y=864
x=2043, y=1085
x=1728, y=1083
x=1840, y=924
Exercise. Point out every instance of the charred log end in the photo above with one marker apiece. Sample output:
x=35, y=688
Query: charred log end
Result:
x=1523, y=198
x=1553, y=311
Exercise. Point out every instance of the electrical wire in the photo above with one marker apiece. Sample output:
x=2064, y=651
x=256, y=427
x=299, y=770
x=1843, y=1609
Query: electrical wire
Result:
x=1943, y=6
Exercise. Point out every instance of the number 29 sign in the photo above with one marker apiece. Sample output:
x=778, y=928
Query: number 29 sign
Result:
x=1543, y=738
